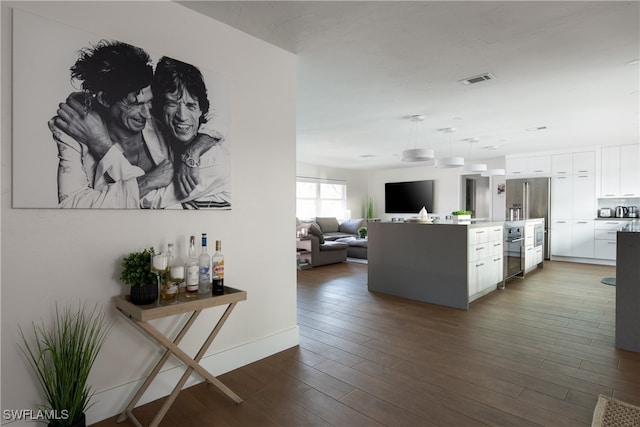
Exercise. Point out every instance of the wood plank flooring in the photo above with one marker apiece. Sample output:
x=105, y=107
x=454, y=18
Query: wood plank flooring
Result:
x=535, y=354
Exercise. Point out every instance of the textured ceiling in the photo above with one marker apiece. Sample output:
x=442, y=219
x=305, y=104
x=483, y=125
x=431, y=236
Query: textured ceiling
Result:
x=364, y=67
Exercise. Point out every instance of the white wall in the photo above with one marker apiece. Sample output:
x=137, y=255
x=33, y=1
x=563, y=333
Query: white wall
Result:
x=58, y=256
x=447, y=188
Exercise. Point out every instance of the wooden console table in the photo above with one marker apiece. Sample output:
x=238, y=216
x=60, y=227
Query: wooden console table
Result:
x=140, y=315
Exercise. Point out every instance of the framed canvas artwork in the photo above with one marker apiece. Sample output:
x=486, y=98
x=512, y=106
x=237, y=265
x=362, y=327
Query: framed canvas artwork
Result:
x=99, y=123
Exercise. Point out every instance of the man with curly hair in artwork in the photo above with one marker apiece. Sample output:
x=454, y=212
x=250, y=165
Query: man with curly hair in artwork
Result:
x=110, y=152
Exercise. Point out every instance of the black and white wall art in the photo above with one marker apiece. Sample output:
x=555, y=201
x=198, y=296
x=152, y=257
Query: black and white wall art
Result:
x=102, y=123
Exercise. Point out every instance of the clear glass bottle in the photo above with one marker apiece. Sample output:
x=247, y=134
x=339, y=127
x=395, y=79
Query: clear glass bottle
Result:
x=169, y=289
x=217, y=275
x=191, y=270
x=204, y=263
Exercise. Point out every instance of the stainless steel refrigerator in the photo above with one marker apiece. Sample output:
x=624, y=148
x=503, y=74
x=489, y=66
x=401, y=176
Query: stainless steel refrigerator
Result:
x=529, y=198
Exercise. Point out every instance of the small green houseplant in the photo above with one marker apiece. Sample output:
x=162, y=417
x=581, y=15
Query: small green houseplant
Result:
x=136, y=272
x=461, y=215
x=362, y=232
x=62, y=355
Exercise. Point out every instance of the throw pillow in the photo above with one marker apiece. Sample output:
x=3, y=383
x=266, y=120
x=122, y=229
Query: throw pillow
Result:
x=350, y=226
x=328, y=224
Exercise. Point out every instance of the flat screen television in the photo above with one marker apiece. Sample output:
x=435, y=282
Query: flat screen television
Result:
x=408, y=197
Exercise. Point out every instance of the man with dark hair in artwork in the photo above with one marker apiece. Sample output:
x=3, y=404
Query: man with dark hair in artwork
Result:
x=110, y=153
x=181, y=106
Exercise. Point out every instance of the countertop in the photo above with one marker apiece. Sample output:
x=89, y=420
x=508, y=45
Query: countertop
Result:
x=631, y=227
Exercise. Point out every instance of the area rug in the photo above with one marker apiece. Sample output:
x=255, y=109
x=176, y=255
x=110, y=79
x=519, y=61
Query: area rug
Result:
x=610, y=412
x=609, y=281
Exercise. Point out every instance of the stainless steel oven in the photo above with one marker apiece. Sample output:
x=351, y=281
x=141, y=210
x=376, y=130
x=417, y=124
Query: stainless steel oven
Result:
x=513, y=250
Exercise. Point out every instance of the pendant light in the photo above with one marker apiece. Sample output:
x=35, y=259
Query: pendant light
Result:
x=416, y=154
x=474, y=167
x=451, y=161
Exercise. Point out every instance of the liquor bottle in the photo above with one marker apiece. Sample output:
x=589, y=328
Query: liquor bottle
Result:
x=204, y=263
x=191, y=271
x=169, y=289
x=217, y=262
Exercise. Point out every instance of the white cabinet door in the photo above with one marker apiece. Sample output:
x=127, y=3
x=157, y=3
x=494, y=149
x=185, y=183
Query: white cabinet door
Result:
x=517, y=166
x=584, y=162
x=561, y=197
x=630, y=170
x=582, y=243
x=610, y=172
x=539, y=255
x=562, y=164
x=560, y=237
x=529, y=257
x=539, y=166
x=477, y=273
x=584, y=196
x=495, y=273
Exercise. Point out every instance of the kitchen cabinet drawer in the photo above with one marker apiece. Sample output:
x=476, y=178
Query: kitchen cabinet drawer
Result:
x=479, y=251
x=479, y=235
x=609, y=225
x=605, y=249
x=606, y=235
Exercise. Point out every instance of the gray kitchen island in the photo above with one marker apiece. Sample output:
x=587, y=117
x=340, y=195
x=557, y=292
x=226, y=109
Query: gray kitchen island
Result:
x=446, y=264
x=628, y=287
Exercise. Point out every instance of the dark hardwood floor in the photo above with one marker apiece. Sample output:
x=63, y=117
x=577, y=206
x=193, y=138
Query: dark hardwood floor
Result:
x=535, y=354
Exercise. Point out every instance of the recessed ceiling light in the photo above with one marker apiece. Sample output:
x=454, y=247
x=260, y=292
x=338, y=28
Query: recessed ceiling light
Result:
x=367, y=156
x=634, y=62
x=447, y=130
x=537, y=128
x=491, y=147
x=471, y=140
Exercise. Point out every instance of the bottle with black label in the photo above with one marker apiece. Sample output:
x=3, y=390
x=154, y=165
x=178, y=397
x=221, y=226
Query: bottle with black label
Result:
x=217, y=263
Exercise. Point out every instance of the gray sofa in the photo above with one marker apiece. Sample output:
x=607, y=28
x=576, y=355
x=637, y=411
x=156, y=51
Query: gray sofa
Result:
x=331, y=240
x=334, y=230
x=323, y=251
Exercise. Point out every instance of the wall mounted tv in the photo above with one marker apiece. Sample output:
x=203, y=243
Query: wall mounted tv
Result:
x=408, y=197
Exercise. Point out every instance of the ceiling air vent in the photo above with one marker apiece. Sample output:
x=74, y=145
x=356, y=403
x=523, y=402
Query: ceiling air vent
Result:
x=477, y=79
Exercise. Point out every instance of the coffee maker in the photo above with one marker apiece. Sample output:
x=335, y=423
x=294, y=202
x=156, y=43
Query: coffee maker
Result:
x=632, y=211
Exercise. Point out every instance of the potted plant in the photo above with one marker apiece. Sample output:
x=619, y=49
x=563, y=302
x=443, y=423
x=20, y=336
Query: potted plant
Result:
x=136, y=272
x=461, y=216
x=362, y=232
x=369, y=208
x=62, y=355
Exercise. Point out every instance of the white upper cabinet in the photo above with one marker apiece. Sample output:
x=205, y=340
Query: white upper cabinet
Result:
x=620, y=171
x=584, y=162
x=573, y=163
x=529, y=166
x=562, y=164
x=630, y=170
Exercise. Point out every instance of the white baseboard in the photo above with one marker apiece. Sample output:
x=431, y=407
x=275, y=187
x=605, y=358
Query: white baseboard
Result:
x=113, y=401
x=584, y=260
